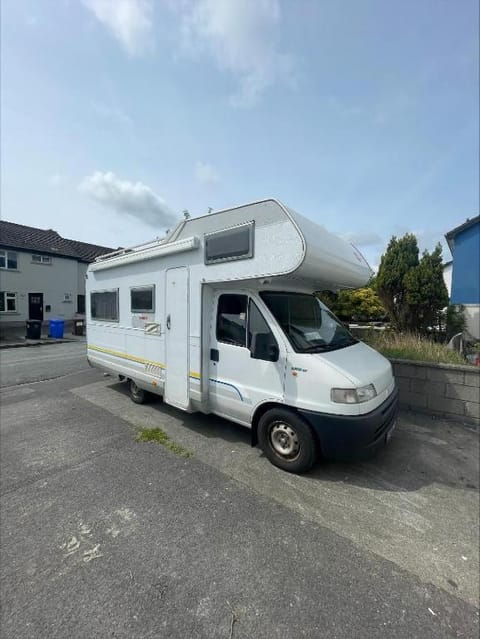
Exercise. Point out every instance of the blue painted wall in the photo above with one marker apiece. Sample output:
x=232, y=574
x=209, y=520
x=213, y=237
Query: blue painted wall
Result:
x=466, y=267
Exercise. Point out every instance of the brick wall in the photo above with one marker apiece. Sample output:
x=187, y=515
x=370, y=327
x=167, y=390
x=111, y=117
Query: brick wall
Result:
x=445, y=390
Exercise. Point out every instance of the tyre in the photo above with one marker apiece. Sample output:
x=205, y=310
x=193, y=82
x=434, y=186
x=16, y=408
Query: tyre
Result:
x=137, y=395
x=287, y=440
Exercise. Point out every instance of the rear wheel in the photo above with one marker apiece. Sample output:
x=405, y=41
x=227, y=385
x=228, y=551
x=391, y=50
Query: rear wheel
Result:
x=287, y=440
x=137, y=395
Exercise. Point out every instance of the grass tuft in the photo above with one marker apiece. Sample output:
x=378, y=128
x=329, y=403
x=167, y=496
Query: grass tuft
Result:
x=161, y=437
x=410, y=346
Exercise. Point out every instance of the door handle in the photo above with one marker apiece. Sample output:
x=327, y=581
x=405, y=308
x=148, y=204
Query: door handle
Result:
x=214, y=354
x=169, y=323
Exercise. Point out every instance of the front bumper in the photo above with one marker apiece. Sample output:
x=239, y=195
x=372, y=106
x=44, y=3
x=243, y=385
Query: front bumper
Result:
x=348, y=437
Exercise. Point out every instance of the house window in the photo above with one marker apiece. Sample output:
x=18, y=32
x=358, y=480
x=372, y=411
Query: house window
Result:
x=41, y=259
x=8, y=259
x=231, y=244
x=67, y=297
x=142, y=299
x=232, y=319
x=104, y=305
x=81, y=304
x=8, y=302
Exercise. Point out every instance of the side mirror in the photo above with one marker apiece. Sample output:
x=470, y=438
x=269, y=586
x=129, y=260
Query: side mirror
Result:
x=262, y=347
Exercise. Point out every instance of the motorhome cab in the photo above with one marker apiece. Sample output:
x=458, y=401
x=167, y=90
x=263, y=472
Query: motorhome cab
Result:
x=221, y=317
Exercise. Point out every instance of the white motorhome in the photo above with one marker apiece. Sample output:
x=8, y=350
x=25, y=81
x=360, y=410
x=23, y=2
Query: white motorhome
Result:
x=220, y=317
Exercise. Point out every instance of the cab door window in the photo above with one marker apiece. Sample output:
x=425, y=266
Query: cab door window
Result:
x=232, y=319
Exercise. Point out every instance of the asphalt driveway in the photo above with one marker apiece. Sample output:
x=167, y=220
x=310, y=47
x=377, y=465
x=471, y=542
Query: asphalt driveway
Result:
x=103, y=536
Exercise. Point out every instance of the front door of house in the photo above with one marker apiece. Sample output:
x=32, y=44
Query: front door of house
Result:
x=35, y=306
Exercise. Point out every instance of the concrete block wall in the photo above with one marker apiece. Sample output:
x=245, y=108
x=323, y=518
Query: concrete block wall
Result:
x=446, y=390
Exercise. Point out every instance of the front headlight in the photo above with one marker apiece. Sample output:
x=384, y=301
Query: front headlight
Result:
x=353, y=395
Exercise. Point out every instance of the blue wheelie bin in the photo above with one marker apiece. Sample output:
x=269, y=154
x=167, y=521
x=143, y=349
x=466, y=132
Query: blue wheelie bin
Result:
x=56, y=328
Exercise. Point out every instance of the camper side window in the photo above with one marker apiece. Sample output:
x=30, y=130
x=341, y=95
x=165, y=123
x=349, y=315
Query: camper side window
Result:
x=142, y=299
x=232, y=319
x=104, y=305
x=230, y=244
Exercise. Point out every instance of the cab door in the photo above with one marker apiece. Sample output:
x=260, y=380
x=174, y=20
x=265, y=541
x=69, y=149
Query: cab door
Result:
x=247, y=362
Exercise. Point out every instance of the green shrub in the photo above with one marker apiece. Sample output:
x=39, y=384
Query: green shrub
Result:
x=358, y=305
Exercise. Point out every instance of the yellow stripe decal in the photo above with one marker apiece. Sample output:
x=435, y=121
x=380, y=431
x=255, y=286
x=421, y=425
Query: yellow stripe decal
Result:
x=132, y=358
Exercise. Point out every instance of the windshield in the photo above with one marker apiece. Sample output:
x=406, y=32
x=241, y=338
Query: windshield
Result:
x=309, y=326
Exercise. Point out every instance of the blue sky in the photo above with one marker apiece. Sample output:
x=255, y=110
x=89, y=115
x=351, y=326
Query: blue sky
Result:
x=119, y=114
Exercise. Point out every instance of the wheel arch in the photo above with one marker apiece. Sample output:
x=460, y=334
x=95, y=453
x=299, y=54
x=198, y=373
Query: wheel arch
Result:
x=263, y=408
x=260, y=411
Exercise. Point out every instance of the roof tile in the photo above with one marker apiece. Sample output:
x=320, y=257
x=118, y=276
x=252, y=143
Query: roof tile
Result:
x=28, y=238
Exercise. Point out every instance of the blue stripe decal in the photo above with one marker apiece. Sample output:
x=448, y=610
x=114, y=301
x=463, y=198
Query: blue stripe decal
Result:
x=217, y=381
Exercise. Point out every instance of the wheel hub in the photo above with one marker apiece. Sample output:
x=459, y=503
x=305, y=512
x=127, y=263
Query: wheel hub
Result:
x=284, y=440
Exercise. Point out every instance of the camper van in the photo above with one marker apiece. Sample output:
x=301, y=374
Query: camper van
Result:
x=221, y=316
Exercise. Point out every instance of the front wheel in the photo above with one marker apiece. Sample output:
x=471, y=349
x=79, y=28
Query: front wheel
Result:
x=137, y=395
x=287, y=440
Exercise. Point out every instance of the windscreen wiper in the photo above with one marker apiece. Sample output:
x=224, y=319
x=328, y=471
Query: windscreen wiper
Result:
x=317, y=348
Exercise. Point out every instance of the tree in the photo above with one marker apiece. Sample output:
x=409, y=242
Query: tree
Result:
x=400, y=257
x=412, y=290
x=360, y=304
x=427, y=294
x=372, y=283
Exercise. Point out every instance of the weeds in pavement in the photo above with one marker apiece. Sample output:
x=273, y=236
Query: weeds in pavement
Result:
x=159, y=436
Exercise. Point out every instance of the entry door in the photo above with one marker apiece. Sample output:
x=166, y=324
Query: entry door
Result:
x=35, y=306
x=239, y=382
x=176, y=337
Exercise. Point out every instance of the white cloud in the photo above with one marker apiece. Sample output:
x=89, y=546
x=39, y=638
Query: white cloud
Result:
x=130, y=21
x=242, y=36
x=363, y=238
x=133, y=198
x=205, y=173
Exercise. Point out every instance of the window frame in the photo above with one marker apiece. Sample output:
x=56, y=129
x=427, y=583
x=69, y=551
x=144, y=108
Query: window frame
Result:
x=45, y=260
x=224, y=232
x=253, y=301
x=9, y=295
x=140, y=288
x=106, y=290
x=221, y=341
x=4, y=253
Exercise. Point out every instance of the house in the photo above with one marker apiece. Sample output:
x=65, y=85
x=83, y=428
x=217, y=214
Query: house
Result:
x=447, y=276
x=464, y=244
x=42, y=275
